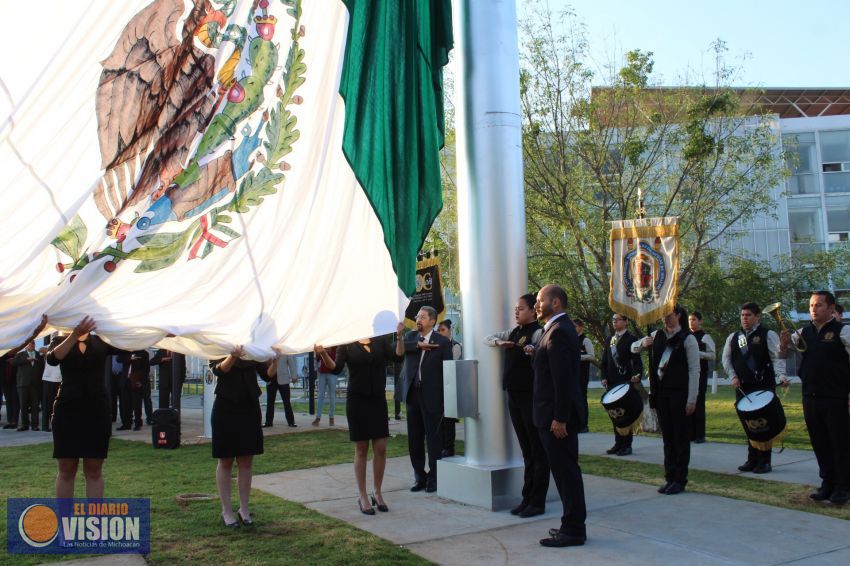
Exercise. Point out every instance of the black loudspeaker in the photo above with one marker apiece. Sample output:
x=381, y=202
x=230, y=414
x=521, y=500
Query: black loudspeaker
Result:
x=165, y=432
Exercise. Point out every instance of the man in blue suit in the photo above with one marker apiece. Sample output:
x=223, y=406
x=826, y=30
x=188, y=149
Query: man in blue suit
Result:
x=557, y=411
x=422, y=391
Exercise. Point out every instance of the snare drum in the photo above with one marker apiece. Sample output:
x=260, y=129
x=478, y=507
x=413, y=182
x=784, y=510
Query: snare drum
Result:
x=763, y=418
x=624, y=407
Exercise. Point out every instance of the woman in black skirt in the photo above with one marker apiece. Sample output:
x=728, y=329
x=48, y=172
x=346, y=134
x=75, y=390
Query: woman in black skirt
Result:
x=82, y=415
x=366, y=406
x=236, y=430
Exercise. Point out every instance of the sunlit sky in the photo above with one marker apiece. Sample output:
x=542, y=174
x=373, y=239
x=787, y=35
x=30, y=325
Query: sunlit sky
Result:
x=782, y=43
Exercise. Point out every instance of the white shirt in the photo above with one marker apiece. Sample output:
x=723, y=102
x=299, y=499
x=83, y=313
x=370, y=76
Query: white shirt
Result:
x=588, y=347
x=551, y=320
x=52, y=374
x=691, y=353
x=844, y=336
x=710, y=349
x=285, y=369
x=772, y=349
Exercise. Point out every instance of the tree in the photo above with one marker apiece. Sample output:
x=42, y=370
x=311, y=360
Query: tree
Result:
x=702, y=153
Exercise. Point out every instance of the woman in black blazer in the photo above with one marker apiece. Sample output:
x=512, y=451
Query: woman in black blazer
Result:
x=366, y=407
x=237, y=432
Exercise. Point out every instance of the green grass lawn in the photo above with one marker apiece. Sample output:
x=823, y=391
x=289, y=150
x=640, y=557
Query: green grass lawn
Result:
x=192, y=533
x=286, y=531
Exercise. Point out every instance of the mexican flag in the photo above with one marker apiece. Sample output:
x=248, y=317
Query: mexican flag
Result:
x=207, y=173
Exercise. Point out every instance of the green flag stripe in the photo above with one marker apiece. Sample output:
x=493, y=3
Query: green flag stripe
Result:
x=393, y=90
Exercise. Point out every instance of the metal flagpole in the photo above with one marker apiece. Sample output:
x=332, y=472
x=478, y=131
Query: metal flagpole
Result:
x=491, y=241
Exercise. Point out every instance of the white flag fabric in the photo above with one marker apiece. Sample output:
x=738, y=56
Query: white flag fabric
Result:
x=176, y=167
x=644, y=268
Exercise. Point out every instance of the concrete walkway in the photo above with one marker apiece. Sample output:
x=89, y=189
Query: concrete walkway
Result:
x=628, y=523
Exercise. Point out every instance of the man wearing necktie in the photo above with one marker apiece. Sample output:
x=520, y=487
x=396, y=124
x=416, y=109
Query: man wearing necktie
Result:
x=422, y=391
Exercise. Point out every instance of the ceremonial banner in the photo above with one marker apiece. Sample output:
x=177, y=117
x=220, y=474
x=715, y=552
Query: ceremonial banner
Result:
x=644, y=268
x=429, y=289
x=255, y=172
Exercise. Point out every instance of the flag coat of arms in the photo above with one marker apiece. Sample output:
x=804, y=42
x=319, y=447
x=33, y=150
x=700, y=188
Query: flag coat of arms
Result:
x=644, y=268
x=206, y=173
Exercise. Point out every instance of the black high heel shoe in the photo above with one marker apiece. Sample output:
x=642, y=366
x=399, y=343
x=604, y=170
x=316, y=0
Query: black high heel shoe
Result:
x=233, y=525
x=369, y=511
x=247, y=522
x=382, y=508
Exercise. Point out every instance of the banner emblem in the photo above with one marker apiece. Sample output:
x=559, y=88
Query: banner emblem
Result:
x=644, y=268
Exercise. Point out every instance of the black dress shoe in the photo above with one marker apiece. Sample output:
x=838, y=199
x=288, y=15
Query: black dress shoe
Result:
x=292, y=425
x=822, y=494
x=613, y=450
x=839, y=497
x=747, y=466
x=418, y=486
x=20, y=428
x=518, y=509
x=267, y=425
x=10, y=425
x=431, y=487
x=560, y=540
x=531, y=511
x=137, y=427
x=675, y=488
x=665, y=487
x=762, y=469
x=627, y=451
x=123, y=427
x=34, y=428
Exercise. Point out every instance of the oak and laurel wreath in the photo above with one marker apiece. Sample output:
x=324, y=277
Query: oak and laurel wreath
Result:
x=163, y=249
x=158, y=251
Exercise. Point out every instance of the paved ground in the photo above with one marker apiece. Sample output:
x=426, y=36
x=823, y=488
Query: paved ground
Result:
x=628, y=523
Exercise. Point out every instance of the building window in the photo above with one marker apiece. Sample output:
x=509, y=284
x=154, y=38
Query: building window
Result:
x=838, y=220
x=835, y=159
x=801, y=161
x=806, y=232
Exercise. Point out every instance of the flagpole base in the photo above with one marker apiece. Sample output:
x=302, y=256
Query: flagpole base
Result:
x=495, y=488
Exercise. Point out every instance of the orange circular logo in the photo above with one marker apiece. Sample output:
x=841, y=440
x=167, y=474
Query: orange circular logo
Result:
x=38, y=525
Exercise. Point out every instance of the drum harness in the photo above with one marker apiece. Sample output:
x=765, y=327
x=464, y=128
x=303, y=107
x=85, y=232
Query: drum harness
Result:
x=759, y=375
x=615, y=355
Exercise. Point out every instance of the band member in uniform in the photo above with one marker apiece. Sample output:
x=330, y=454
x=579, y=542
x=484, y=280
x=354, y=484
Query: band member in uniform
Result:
x=674, y=382
x=620, y=365
x=517, y=380
x=750, y=358
x=707, y=352
x=825, y=372
x=588, y=355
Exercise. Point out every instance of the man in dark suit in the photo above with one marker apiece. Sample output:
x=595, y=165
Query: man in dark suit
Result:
x=422, y=391
x=30, y=368
x=557, y=411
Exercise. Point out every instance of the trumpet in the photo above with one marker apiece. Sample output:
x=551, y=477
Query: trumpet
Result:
x=775, y=310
